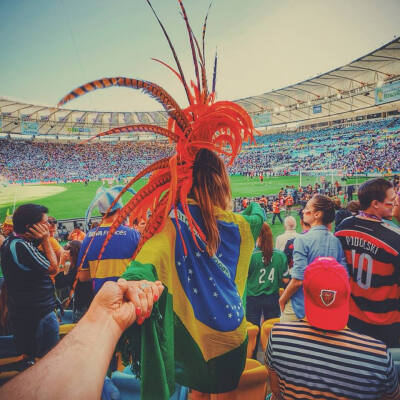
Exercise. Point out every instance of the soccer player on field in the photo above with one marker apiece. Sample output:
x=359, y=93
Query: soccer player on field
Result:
x=372, y=249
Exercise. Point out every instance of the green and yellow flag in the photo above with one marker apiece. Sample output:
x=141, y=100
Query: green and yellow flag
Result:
x=197, y=335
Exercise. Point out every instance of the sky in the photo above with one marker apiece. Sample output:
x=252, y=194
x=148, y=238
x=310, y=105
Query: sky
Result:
x=49, y=47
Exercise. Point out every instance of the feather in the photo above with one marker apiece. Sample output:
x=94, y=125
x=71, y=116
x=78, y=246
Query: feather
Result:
x=204, y=88
x=137, y=128
x=204, y=31
x=177, y=74
x=178, y=64
x=155, y=91
x=189, y=30
x=214, y=73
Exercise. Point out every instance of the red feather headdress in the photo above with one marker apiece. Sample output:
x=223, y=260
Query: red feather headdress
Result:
x=220, y=126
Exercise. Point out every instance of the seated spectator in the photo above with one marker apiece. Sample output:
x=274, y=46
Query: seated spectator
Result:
x=31, y=299
x=290, y=233
x=320, y=357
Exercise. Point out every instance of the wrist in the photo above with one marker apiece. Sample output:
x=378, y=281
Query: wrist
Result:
x=103, y=320
x=45, y=238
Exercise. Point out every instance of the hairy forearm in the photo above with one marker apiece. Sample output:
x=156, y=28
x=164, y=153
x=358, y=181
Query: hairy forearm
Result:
x=75, y=368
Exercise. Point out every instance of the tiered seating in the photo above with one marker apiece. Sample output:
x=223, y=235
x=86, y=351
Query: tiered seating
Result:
x=357, y=147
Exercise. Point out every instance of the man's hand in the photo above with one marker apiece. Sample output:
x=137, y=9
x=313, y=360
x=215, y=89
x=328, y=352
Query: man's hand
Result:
x=39, y=231
x=126, y=301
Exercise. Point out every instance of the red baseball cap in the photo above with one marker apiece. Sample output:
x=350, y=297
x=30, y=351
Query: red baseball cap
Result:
x=326, y=294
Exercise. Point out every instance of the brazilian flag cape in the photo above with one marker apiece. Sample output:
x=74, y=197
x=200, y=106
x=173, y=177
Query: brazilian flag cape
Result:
x=197, y=334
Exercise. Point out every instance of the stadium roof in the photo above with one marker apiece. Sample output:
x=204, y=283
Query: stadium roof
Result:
x=349, y=88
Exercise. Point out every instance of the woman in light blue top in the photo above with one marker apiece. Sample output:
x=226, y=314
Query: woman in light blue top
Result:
x=319, y=213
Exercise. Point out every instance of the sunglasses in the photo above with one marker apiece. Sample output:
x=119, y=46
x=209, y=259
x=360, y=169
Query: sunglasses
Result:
x=52, y=221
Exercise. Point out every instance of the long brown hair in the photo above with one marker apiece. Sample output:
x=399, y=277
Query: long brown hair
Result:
x=326, y=206
x=210, y=188
x=265, y=243
x=73, y=246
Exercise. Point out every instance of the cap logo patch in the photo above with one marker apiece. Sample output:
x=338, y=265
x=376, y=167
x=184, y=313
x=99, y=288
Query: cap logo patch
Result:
x=328, y=296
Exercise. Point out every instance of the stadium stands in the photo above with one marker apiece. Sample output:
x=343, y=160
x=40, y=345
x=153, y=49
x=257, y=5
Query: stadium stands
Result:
x=366, y=146
x=35, y=161
x=369, y=146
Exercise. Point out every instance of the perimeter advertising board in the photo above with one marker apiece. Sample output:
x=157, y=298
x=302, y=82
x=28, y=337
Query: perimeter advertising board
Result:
x=387, y=93
x=78, y=129
x=261, y=120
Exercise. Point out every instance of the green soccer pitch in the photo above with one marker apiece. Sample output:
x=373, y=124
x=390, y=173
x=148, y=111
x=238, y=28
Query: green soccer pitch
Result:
x=71, y=200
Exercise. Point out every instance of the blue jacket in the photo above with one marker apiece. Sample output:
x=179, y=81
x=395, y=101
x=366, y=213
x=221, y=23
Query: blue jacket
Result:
x=317, y=242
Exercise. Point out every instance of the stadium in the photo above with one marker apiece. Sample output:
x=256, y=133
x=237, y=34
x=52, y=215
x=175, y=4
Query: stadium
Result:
x=321, y=136
x=332, y=122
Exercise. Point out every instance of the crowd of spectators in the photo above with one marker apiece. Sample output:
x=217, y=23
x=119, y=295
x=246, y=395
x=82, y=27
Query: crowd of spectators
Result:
x=39, y=161
x=366, y=146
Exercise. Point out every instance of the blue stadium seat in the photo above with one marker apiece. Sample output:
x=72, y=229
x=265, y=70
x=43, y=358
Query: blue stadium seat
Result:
x=129, y=386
